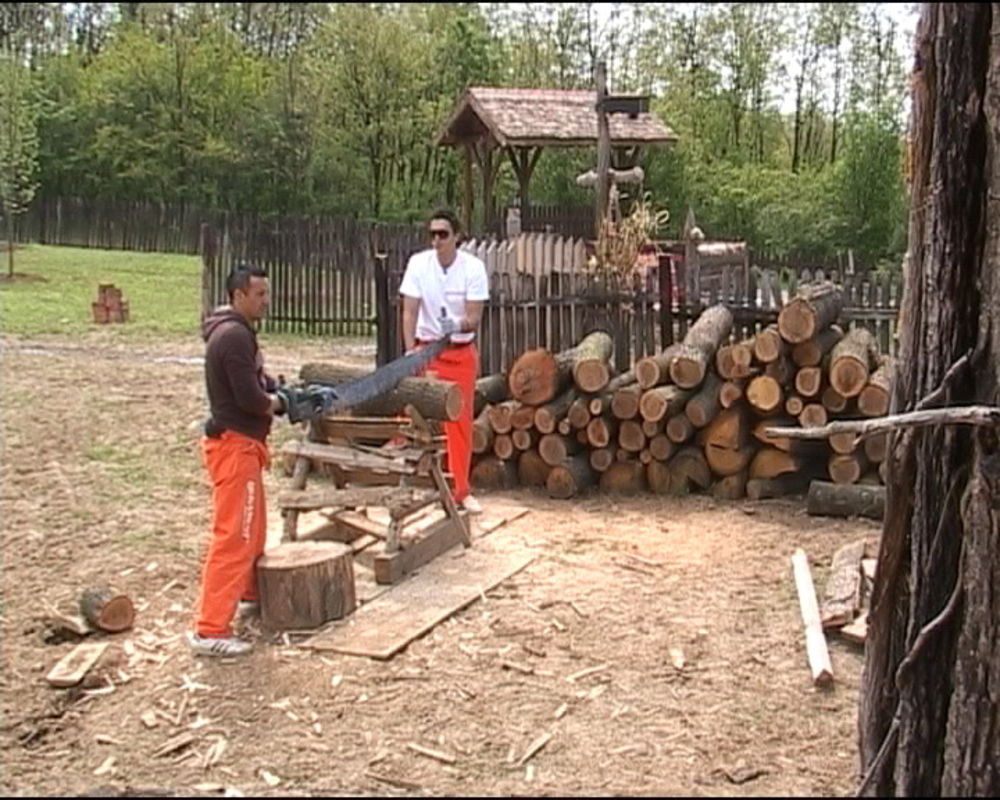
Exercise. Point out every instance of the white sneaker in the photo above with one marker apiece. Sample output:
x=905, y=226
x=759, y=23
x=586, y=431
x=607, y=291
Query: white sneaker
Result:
x=471, y=504
x=223, y=647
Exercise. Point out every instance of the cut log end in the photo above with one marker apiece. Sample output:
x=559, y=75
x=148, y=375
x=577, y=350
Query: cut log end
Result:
x=591, y=376
x=534, y=377
x=106, y=609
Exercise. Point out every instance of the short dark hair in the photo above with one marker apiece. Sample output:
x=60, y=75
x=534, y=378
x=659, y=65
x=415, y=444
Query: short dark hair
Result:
x=451, y=216
x=239, y=277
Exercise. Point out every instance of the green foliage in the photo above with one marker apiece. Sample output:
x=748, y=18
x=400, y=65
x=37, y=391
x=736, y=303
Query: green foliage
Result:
x=18, y=140
x=789, y=116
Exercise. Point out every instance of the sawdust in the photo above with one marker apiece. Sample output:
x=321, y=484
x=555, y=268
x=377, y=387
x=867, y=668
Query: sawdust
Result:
x=676, y=618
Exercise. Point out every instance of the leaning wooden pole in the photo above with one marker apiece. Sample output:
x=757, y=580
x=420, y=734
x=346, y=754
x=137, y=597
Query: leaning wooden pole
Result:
x=816, y=650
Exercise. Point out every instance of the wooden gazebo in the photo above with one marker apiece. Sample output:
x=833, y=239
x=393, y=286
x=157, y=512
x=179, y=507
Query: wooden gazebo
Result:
x=522, y=122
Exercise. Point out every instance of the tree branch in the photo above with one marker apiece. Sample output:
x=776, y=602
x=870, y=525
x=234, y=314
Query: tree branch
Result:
x=961, y=415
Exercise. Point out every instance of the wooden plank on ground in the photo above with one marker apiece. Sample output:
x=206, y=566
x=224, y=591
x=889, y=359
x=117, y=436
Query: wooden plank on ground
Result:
x=495, y=517
x=383, y=627
x=842, y=597
x=71, y=668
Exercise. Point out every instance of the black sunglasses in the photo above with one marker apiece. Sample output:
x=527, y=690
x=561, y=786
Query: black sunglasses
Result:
x=437, y=233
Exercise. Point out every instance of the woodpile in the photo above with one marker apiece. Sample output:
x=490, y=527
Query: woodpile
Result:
x=693, y=417
x=110, y=305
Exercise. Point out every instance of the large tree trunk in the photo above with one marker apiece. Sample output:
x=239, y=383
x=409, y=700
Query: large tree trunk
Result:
x=943, y=482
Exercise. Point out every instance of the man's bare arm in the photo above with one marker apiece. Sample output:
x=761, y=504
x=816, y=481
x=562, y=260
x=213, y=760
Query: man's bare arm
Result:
x=411, y=307
x=473, y=315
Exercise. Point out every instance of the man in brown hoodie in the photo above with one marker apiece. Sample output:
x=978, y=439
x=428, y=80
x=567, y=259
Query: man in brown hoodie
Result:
x=243, y=401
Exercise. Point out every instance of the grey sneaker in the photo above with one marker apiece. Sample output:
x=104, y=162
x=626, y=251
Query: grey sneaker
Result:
x=222, y=648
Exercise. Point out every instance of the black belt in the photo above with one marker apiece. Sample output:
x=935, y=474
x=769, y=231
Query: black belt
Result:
x=450, y=344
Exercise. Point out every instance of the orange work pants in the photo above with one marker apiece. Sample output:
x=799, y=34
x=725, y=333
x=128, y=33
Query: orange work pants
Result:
x=235, y=465
x=459, y=365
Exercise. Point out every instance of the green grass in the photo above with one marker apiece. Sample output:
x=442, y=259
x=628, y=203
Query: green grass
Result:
x=163, y=292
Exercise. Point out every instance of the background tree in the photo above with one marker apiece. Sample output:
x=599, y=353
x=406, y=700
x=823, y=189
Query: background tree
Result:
x=18, y=143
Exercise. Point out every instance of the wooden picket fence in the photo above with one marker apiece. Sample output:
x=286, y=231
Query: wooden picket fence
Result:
x=543, y=294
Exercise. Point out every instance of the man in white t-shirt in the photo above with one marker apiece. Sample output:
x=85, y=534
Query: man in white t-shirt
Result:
x=444, y=290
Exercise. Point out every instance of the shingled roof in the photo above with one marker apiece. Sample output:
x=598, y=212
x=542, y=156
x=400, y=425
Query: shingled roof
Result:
x=545, y=117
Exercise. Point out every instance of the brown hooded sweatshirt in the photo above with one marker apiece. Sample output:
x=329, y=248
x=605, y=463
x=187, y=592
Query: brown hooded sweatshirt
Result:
x=235, y=378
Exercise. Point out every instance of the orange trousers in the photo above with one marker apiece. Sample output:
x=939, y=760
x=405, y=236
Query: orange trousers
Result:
x=235, y=464
x=459, y=365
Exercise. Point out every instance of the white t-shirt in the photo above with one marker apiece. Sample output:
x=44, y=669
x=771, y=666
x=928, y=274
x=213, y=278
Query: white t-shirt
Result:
x=436, y=288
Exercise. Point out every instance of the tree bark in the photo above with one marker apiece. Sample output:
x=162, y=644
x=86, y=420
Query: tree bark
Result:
x=845, y=500
x=305, y=584
x=690, y=363
x=105, y=609
x=548, y=416
x=704, y=406
x=924, y=698
x=433, y=398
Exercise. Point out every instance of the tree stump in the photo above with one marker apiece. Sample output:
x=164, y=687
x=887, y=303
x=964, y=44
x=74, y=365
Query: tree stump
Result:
x=305, y=584
x=106, y=609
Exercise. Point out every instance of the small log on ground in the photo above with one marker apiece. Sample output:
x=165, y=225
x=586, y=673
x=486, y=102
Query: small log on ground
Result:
x=662, y=401
x=630, y=436
x=305, y=584
x=690, y=468
x=845, y=500
x=781, y=486
x=679, y=429
x=501, y=416
x=570, y=478
x=490, y=390
x=846, y=469
x=764, y=393
x=555, y=449
x=690, y=364
x=624, y=477
x=810, y=353
x=768, y=345
x=814, y=307
x=816, y=650
x=808, y=381
x=531, y=469
x=654, y=370
x=874, y=398
x=106, y=609
x=491, y=472
x=842, y=595
x=732, y=487
x=734, y=361
x=482, y=432
x=704, y=405
x=850, y=362
x=602, y=458
x=625, y=401
x=601, y=431
x=549, y=415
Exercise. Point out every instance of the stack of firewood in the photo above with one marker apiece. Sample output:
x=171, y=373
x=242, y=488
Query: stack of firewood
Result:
x=693, y=417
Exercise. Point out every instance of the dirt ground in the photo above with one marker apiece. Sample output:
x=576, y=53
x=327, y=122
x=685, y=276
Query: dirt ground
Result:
x=102, y=483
